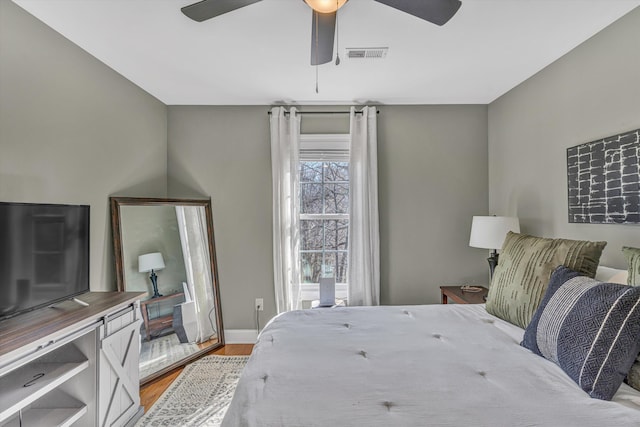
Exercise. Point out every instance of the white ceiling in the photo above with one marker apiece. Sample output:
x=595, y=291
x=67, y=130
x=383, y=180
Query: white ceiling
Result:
x=259, y=55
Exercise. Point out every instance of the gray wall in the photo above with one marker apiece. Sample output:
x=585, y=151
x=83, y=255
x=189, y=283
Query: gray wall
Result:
x=432, y=180
x=74, y=131
x=224, y=153
x=590, y=93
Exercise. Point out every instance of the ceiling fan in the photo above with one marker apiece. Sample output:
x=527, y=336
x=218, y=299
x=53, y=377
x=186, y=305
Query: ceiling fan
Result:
x=323, y=24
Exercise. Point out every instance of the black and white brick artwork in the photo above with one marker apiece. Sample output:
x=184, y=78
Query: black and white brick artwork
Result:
x=604, y=180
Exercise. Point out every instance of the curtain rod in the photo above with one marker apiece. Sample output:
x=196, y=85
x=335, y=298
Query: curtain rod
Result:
x=324, y=112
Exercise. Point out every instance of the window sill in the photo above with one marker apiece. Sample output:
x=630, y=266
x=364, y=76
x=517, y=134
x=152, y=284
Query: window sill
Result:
x=310, y=291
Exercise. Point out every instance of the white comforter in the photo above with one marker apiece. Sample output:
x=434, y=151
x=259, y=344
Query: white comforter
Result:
x=432, y=365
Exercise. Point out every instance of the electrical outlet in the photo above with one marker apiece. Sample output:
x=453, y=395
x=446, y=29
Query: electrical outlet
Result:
x=259, y=304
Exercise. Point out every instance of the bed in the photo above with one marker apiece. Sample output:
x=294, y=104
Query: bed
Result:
x=436, y=365
x=415, y=365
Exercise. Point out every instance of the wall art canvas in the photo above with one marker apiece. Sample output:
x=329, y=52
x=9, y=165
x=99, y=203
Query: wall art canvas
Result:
x=604, y=180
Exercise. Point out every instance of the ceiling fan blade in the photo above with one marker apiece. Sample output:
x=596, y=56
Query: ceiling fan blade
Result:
x=435, y=11
x=323, y=29
x=207, y=9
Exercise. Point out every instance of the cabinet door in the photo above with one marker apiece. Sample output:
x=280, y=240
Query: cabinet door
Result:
x=119, y=382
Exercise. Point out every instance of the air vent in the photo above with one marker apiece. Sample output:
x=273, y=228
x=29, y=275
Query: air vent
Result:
x=366, y=52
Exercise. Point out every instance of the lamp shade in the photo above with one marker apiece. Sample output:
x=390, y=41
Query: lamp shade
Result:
x=152, y=261
x=488, y=232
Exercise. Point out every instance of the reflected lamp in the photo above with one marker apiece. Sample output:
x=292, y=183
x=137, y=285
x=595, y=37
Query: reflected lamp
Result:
x=151, y=263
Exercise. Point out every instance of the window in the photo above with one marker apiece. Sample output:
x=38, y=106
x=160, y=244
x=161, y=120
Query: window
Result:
x=324, y=212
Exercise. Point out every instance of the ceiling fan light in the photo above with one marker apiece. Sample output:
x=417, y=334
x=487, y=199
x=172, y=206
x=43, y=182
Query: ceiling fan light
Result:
x=325, y=6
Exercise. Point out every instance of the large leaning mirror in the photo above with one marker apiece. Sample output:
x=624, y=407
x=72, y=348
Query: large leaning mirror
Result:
x=165, y=247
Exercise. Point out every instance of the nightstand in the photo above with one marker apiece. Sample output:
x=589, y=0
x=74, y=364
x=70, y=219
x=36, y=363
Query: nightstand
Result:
x=459, y=296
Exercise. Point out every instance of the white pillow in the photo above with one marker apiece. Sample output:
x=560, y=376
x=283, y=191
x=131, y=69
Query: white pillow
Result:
x=611, y=275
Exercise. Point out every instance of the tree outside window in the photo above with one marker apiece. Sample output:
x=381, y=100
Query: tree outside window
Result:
x=324, y=220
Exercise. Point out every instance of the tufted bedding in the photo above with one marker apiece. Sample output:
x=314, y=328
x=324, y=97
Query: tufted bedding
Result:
x=430, y=365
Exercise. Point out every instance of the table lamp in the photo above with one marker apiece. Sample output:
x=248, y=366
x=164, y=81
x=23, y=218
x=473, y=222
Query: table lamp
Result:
x=489, y=232
x=151, y=262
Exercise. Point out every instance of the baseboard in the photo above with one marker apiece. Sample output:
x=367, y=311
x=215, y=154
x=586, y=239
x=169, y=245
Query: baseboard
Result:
x=240, y=336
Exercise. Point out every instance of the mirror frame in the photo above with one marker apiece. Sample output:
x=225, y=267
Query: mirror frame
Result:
x=116, y=203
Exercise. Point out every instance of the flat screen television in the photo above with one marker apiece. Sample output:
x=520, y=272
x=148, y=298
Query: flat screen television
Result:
x=44, y=255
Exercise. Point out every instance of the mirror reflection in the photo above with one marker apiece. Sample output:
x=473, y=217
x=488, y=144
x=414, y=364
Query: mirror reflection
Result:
x=164, y=247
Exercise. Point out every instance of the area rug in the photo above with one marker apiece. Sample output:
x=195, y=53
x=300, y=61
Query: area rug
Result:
x=163, y=351
x=199, y=396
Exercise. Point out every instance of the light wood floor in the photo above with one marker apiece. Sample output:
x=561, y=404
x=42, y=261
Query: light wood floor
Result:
x=150, y=392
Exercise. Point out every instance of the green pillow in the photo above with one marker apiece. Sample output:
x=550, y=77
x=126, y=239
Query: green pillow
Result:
x=523, y=272
x=633, y=377
x=633, y=259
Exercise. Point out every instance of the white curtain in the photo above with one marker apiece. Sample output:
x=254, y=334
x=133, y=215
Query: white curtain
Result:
x=285, y=141
x=192, y=225
x=364, y=239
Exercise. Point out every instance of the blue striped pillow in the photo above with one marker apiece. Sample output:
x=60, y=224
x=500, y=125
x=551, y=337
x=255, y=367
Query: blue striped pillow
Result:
x=589, y=328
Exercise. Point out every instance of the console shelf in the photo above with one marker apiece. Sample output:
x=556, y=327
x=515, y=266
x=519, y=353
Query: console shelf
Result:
x=56, y=409
x=30, y=382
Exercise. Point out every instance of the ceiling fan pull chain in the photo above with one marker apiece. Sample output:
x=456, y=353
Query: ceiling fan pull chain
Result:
x=316, y=17
x=337, y=38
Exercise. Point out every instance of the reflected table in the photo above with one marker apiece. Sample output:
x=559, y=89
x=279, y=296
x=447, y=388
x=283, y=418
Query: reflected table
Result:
x=157, y=324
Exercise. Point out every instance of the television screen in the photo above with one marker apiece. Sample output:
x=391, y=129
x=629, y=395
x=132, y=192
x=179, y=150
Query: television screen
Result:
x=44, y=255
